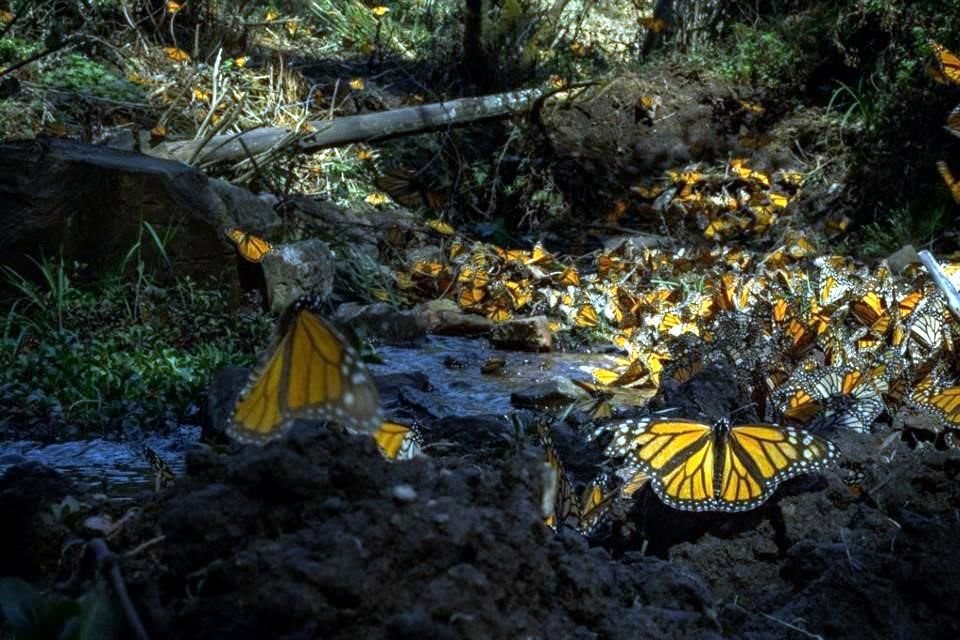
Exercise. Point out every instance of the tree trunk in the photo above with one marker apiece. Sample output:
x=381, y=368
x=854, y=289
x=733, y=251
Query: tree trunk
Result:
x=233, y=147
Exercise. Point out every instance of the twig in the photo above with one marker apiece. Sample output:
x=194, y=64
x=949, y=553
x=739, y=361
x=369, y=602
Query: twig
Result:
x=106, y=558
x=941, y=280
x=856, y=566
x=142, y=547
x=782, y=622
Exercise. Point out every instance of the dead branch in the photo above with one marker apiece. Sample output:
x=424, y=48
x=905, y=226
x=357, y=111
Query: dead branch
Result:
x=340, y=131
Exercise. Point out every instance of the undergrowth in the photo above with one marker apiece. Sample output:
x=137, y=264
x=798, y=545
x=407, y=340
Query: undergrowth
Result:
x=123, y=353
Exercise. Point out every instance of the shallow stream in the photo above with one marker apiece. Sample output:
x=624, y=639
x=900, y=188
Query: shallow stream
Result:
x=120, y=469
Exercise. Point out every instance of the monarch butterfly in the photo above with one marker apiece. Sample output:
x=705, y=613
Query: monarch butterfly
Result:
x=948, y=65
x=408, y=188
x=946, y=405
x=598, y=405
x=633, y=480
x=163, y=475
x=694, y=466
x=871, y=311
x=499, y=309
x=798, y=338
x=833, y=284
x=471, y=298
x=953, y=121
x=312, y=373
x=558, y=504
x=849, y=396
x=251, y=248
x=586, y=316
x=569, y=277
x=397, y=441
x=596, y=503
x=949, y=180
x=927, y=329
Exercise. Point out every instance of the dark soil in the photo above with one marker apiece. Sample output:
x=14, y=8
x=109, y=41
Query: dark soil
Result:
x=318, y=536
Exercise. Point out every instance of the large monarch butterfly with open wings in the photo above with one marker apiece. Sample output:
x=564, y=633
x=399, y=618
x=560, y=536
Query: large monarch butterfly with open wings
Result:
x=695, y=466
x=312, y=373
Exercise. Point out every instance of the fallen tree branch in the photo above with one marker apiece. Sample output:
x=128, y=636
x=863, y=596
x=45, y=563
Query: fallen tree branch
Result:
x=340, y=131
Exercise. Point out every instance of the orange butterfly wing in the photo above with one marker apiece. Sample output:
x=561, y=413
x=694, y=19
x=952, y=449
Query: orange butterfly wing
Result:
x=311, y=374
x=252, y=248
x=949, y=180
x=948, y=71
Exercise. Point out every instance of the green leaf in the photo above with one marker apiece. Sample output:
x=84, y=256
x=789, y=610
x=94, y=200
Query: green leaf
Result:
x=97, y=619
x=19, y=602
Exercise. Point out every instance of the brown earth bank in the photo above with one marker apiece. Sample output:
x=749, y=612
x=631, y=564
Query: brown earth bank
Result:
x=318, y=536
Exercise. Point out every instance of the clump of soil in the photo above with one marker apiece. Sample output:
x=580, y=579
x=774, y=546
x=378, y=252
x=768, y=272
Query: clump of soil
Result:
x=318, y=536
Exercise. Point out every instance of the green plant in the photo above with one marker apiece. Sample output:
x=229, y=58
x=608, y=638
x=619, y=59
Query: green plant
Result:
x=16, y=49
x=75, y=72
x=903, y=226
x=28, y=613
x=58, y=293
x=760, y=55
x=862, y=113
x=125, y=353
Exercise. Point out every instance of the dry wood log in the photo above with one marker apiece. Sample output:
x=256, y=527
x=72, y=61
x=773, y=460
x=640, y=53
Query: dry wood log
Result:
x=339, y=131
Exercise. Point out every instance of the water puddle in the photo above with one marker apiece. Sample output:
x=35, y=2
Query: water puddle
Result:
x=452, y=365
x=118, y=469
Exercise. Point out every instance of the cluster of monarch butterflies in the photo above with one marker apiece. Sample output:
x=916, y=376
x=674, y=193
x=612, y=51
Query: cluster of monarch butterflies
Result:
x=820, y=344
x=313, y=373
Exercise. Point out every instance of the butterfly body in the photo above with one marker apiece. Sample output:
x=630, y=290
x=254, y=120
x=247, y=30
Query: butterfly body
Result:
x=694, y=466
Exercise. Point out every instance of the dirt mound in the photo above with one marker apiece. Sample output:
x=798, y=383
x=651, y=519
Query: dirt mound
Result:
x=318, y=536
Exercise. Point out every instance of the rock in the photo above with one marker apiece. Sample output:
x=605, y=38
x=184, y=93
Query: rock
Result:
x=221, y=397
x=523, y=334
x=88, y=203
x=404, y=493
x=382, y=322
x=296, y=269
x=444, y=317
x=552, y=394
x=31, y=538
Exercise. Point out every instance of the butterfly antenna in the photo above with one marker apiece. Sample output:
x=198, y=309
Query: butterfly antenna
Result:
x=749, y=405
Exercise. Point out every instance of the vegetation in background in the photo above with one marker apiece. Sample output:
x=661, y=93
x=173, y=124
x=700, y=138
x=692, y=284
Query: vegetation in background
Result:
x=82, y=75
x=128, y=351
x=122, y=354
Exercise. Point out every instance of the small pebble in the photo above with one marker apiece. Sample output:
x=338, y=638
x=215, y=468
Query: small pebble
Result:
x=404, y=493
